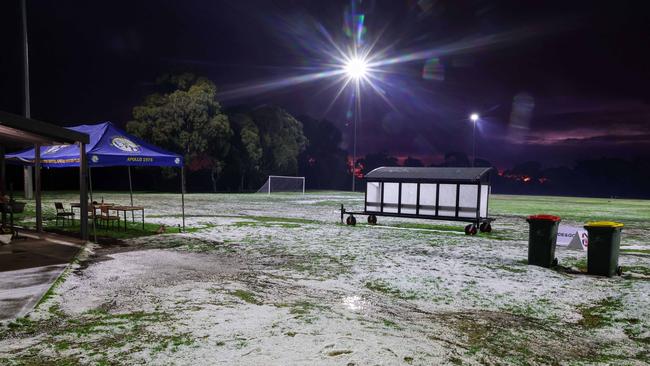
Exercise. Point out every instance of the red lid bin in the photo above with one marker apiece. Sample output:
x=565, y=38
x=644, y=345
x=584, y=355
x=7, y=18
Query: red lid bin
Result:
x=543, y=217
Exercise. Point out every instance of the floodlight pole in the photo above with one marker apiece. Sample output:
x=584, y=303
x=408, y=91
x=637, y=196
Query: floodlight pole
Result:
x=354, y=154
x=474, y=144
x=474, y=117
x=27, y=170
x=354, y=139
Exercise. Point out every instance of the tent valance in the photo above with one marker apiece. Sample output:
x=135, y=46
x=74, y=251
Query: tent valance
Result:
x=109, y=146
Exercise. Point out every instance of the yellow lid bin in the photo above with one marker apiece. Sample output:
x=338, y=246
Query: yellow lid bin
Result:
x=611, y=224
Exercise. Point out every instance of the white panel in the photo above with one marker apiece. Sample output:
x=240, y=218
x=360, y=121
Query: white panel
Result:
x=409, y=197
x=447, y=202
x=391, y=192
x=373, y=196
x=485, y=194
x=427, y=199
x=467, y=200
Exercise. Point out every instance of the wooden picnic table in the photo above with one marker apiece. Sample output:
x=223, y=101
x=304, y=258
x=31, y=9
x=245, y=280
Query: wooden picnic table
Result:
x=95, y=206
x=113, y=207
x=126, y=209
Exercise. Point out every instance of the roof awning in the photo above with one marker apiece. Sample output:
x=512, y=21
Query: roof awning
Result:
x=19, y=131
x=450, y=174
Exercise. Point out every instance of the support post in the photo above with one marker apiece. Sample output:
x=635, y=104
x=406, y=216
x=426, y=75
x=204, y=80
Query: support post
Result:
x=37, y=184
x=3, y=172
x=28, y=173
x=90, y=183
x=131, y=194
x=83, y=192
x=183, y=194
x=3, y=183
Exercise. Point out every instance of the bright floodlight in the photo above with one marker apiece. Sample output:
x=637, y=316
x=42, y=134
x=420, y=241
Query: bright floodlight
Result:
x=474, y=117
x=356, y=68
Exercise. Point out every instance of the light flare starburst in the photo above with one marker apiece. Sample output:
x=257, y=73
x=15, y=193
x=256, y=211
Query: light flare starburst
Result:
x=356, y=68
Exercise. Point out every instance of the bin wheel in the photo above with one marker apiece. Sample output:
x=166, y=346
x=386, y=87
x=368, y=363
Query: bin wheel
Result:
x=485, y=227
x=470, y=229
x=372, y=219
x=619, y=271
x=351, y=220
x=555, y=262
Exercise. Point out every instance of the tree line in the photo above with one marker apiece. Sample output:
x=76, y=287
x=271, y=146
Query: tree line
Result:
x=236, y=148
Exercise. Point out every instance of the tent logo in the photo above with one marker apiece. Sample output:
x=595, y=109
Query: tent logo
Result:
x=53, y=149
x=177, y=161
x=125, y=144
x=94, y=158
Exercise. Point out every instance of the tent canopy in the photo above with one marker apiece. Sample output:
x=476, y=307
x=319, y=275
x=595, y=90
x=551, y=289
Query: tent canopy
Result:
x=109, y=146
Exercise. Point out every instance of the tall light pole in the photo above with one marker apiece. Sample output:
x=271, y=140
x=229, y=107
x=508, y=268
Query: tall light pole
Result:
x=27, y=170
x=356, y=68
x=474, y=117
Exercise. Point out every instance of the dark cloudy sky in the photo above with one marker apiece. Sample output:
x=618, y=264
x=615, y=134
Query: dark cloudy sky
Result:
x=554, y=81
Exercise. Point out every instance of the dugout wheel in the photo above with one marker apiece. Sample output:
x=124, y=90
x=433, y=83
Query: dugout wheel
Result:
x=470, y=229
x=372, y=219
x=485, y=227
x=351, y=220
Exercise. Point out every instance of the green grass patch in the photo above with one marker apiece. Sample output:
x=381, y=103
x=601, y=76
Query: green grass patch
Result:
x=416, y=225
x=385, y=288
x=637, y=269
x=510, y=268
x=599, y=314
x=338, y=353
x=636, y=251
x=284, y=225
x=246, y=296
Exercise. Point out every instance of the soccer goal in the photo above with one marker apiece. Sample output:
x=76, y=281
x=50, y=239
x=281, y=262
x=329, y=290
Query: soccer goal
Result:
x=278, y=183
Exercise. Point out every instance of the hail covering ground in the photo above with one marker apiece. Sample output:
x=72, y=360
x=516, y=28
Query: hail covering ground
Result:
x=277, y=280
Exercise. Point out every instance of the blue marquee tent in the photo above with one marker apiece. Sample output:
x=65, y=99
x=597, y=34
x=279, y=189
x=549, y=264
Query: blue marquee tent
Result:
x=109, y=146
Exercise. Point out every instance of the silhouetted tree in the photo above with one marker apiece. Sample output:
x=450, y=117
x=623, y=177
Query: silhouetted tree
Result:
x=376, y=160
x=281, y=139
x=185, y=117
x=456, y=159
x=413, y=162
x=323, y=163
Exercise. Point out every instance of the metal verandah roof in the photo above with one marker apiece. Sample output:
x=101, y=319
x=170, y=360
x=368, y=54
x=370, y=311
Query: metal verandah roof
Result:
x=19, y=131
x=428, y=173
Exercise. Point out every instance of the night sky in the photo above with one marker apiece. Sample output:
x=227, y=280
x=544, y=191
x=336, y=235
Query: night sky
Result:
x=554, y=81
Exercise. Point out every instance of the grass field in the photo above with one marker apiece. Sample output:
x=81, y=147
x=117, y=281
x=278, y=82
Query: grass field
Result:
x=277, y=280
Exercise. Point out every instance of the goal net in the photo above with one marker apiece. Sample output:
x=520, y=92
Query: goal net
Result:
x=276, y=183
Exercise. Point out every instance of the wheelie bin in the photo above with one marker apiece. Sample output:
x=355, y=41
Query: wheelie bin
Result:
x=603, y=246
x=542, y=238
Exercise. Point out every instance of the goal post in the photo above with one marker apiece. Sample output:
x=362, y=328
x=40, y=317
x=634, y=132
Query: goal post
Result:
x=280, y=183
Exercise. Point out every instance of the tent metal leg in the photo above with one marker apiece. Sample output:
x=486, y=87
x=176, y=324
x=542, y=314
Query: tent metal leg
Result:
x=83, y=198
x=131, y=193
x=183, y=195
x=90, y=183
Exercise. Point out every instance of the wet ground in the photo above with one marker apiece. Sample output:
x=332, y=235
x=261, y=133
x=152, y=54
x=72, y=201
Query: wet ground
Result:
x=29, y=265
x=277, y=280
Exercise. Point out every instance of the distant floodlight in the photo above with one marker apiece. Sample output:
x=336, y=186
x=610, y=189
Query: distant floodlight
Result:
x=474, y=117
x=356, y=68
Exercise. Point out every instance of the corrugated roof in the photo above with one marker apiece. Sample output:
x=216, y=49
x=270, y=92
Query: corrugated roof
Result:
x=446, y=173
